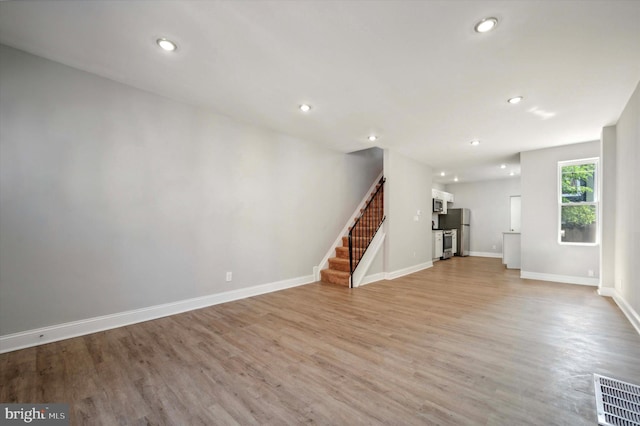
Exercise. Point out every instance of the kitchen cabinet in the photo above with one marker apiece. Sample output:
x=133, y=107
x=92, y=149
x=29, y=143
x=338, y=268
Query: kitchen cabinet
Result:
x=437, y=244
x=446, y=198
x=442, y=195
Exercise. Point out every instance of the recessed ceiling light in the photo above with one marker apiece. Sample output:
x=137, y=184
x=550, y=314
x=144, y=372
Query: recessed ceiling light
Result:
x=372, y=138
x=503, y=166
x=305, y=108
x=475, y=142
x=487, y=24
x=455, y=179
x=441, y=173
x=167, y=45
x=515, y=100
x=511, y=174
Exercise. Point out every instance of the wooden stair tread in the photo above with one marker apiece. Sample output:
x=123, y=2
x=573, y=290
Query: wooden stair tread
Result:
x=332, y=276
x=343, y=252
x=336, y=273
x=339, y=264
x=345, y=240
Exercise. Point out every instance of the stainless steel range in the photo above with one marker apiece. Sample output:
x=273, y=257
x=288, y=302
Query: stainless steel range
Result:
x=447, y=244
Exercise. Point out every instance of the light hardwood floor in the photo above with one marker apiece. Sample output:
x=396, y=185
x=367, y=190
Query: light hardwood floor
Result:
x=465, y=342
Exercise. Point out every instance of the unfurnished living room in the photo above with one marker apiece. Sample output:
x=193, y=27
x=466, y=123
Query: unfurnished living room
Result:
x=320, y=212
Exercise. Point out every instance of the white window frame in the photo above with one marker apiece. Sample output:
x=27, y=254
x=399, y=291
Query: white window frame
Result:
x=595, y=202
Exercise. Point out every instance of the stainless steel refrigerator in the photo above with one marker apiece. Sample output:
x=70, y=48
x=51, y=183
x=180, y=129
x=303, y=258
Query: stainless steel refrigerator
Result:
x=458, y=219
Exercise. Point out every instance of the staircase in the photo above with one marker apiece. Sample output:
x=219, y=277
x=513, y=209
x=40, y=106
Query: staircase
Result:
x=356, y=242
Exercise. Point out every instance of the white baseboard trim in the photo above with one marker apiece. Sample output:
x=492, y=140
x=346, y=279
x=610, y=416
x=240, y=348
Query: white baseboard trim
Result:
x=566, y=279
x=372, y=278
x=40, y=336
x=627, y=310
x=607, y=291
x=406, y=271
x=485, y=254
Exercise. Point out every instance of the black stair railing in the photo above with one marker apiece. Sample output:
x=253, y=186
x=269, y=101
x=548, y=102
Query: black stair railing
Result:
x=365, y=227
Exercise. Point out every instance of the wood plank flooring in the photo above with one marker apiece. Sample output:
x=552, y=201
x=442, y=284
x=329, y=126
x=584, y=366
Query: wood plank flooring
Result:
x=463, y=343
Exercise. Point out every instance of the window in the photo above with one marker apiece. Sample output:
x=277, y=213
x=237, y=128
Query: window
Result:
x=578, y=201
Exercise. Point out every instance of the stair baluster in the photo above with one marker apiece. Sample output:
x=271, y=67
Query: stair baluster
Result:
x=365, y=227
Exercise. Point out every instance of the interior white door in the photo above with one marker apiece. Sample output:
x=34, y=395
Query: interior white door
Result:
x=515, y=213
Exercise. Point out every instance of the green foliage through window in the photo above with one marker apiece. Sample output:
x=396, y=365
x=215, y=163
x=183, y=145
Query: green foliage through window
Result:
x=578, y=209
x=578, y=183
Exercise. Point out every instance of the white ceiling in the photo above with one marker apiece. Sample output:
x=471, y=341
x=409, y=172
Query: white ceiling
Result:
x=413, y=72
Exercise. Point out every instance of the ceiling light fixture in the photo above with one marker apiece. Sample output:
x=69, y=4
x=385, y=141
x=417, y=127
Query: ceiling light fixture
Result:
x=515, y=100
x=166, y=44
x=475, y=142
x=455, y=179
x=485, y=25
x=372, y=138
x=511, y=174
x=305, y=108
x=503, y=166
x=441, y=173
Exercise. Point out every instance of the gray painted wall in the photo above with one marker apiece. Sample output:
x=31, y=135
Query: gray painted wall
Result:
x=541, y=252
x=408, y=189
x=627, y=241
x=489, y=202
x=113, y=199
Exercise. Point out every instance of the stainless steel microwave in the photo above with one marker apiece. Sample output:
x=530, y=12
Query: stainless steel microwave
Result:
x=437, y=205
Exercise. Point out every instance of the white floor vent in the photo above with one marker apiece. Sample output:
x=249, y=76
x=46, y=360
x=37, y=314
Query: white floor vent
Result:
x=617, y=402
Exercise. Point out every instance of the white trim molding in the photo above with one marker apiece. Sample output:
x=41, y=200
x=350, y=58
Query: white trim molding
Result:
x=367, y=259
x=372, y=278
x=485, y=254
x=40, y=336
x=607, y=291
x=409, y=270
x=566, y=279
x=627, y=310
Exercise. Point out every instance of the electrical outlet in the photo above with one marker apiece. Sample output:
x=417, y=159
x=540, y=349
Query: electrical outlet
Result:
x=229, y=276
x=494, y=247
x=590, y=272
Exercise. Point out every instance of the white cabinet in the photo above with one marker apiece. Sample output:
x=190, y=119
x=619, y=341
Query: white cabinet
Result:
x=446, y=198
x=442, y=195
x=437, y=244
x=454, y=241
